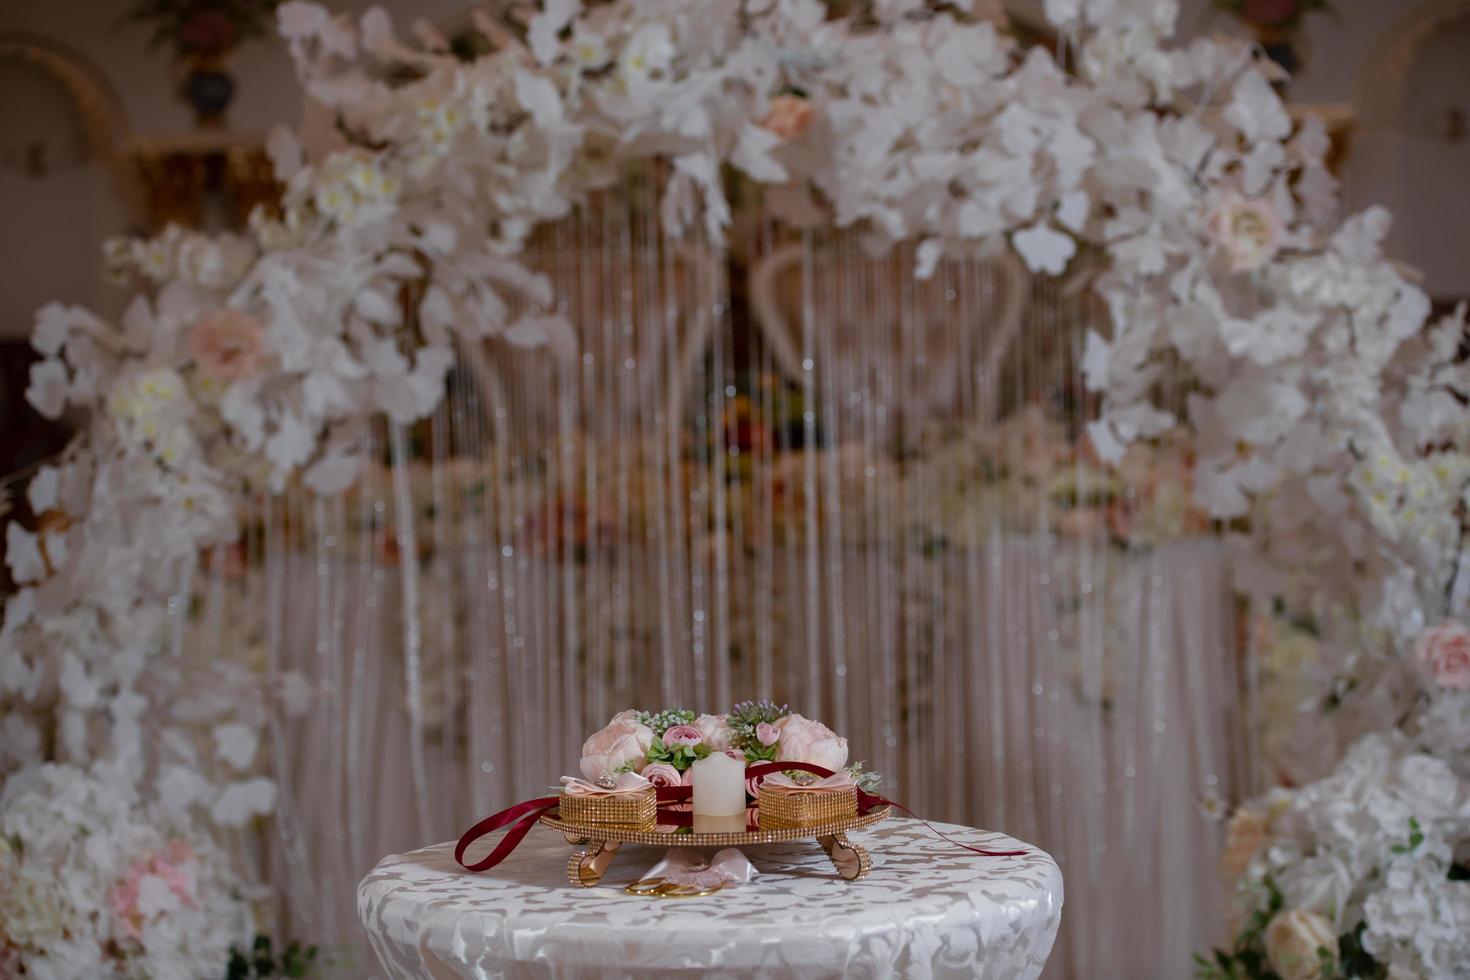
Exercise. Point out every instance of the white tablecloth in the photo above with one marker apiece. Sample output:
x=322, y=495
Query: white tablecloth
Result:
x=928, y=909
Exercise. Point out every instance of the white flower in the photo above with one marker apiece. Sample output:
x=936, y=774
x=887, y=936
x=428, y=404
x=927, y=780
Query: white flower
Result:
x=649, y=53
x=1298, y=943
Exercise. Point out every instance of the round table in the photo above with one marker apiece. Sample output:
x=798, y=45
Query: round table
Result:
x=927, y=909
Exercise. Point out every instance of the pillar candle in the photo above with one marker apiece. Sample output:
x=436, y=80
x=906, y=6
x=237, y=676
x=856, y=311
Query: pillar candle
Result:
x=719, y=786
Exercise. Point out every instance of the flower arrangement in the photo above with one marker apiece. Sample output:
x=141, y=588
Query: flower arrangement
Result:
x=1324, y=409
x=663, y=745
x=1364, y=873
x=95, y=886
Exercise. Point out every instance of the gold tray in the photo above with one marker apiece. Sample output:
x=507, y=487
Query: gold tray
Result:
x=587, y=867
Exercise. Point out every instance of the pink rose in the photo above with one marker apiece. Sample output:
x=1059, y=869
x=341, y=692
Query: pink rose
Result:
x=714, y=732
x=1444, y=651
x=804, y=740
x=166, y=865
x=617, y=745
x=789, y=116
x=683, y=735
x=662, y=775
x=686, y=778
x=227, y=345
x=767, y=734
x=1249, y=231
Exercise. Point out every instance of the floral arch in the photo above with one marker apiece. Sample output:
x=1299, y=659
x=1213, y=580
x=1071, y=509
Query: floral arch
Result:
x=1325, y=418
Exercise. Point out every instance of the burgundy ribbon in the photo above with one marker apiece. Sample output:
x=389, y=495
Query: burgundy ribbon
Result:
x=524, y=816
x=527, y=813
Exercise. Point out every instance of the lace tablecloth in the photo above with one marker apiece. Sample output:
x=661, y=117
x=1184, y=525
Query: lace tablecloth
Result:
x=928, y=909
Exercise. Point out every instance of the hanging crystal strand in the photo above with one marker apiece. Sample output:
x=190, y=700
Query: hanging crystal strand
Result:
x=712, y=294
x=485, y=771
x=669, y=303
x=365, y=655
x=772, y=410
x=408, y=557
x=812, y=684
x=178, y=605
x=871, y=650
x=833, y=379
x=563, y=633
x=441, y=660
x=276, y=570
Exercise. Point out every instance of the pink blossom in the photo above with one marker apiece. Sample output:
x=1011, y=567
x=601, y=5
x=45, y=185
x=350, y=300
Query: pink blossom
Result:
x=805, y=740
x=1444, y=651
x=683, y=735
x=662, y=775
x=169, y=865
x=789, y=116
x=227, y=345
x=767, y=734
x=612, y=748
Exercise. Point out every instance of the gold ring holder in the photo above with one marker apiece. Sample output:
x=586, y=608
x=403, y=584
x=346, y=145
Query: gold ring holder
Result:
x=587, y=866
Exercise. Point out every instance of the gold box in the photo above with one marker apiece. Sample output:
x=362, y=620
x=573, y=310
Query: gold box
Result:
x=783, y=809
x=638, y=810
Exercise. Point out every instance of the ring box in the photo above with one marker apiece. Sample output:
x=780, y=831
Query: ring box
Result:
x=786, y=809
x=638, y=810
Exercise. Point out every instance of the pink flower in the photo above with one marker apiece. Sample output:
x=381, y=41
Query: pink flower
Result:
x=617, y=745
x=227, y=345
x=1249, y=231
x=1444, y=651
x=683, y=735
x=168, y=867
x=662, y=775
x=686, y=778
x=789, y=116
x=767, y=734
x=804, y=740
x=714, y=732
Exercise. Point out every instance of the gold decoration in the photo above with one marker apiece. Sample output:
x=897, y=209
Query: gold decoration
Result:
x=805, y=808
x=586, y=867
x=636, y=810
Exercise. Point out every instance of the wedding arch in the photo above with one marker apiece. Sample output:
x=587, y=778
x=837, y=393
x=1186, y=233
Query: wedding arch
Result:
x=526, y=259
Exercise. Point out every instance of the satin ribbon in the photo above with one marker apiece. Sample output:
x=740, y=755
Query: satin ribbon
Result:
x=867, y=802
x=524, y=815
x=527, y=813
x=781, y=783
x=628, y=782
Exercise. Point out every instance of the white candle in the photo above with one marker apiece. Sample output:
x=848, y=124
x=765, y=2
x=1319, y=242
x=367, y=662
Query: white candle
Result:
x=719, y=786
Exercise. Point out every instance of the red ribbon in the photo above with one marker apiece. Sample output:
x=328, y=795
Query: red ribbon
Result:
x=529, y=812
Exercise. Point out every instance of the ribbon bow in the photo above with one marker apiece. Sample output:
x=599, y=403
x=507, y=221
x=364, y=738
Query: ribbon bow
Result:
x=628, y=782
x=835, y=783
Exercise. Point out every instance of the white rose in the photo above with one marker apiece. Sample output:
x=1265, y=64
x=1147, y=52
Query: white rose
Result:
x=804, y=740
x=713, y=731
x=1294, y=941
x=609, y=750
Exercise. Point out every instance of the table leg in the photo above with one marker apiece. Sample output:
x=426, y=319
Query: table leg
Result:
x=852, y=861
x=587, y=867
